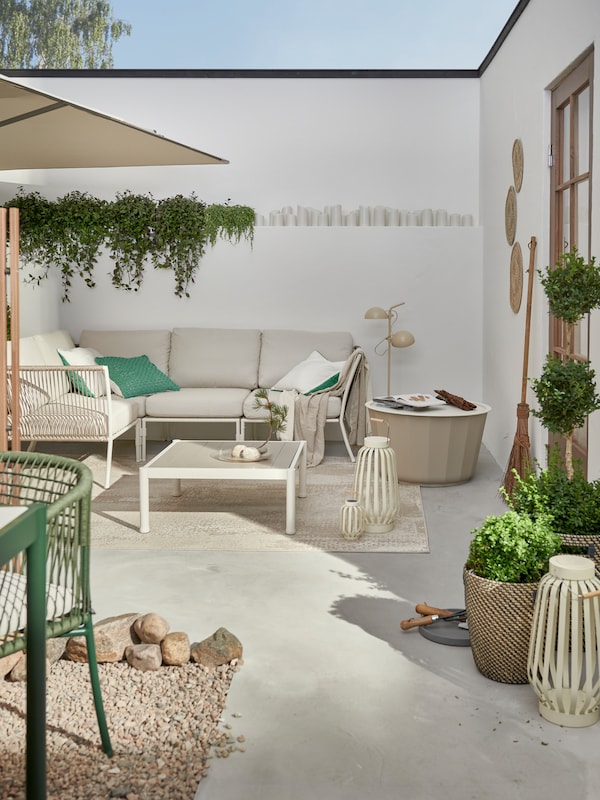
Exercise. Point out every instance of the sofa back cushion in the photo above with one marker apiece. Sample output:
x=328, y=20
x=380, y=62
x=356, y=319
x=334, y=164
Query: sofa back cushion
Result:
x=41, y=350
x=126, y=344
x=282, y=350
x=214, y=357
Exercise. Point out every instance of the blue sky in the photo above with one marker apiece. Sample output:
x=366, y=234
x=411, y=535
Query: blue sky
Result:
x=308, y=34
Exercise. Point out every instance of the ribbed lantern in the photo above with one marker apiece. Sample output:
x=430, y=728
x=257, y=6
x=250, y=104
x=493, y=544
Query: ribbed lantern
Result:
x=376, y=484
x=563, y=661
x=351, y=519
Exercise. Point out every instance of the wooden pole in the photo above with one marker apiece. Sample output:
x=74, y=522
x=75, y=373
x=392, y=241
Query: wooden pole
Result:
x=3, y=340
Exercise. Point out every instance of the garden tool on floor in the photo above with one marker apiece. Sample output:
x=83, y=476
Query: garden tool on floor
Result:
x=520, y=456
x=455, y=631
x=430, y=614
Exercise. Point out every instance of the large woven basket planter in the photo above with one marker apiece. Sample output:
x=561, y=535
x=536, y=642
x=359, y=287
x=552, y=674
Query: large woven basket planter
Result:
x=588, y=544
x=500, y=618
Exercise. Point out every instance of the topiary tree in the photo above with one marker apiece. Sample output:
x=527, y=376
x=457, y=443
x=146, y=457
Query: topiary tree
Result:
x=566, y=390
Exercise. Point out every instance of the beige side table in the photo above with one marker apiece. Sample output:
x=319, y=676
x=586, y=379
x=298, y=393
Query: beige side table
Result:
x=434, y=446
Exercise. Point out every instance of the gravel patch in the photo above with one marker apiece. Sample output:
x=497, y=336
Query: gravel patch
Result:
x=165, y=727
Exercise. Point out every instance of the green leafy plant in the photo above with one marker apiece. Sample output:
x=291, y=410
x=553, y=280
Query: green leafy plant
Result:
x=566, y=389
x=172, y=233
x=277, y=414
x=232, y=223
x=573, y=503
x=130, y=237
x=513, y=547
x=180, y=238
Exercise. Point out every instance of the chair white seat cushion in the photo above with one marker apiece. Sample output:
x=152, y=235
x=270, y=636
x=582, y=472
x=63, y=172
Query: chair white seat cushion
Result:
x=13, y=602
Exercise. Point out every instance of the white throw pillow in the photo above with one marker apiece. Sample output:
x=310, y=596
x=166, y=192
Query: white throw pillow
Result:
x=309, y=375
x=83, y=357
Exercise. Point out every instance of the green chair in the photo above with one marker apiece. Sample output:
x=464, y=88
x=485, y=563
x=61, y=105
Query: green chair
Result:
x=64, y=486
x=23, y=540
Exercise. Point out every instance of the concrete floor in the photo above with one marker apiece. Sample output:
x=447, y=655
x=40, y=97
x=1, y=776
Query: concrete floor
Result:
x=334, y=700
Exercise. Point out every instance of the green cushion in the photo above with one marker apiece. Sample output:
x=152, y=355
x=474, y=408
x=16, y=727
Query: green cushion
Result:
x=326, y=384
x=81, y=356
x=137, y=375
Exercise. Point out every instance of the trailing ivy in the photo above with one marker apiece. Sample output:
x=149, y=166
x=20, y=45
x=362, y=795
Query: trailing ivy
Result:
x=232, y=223
x=131, y=219
x=180, y=238
x=137, y=230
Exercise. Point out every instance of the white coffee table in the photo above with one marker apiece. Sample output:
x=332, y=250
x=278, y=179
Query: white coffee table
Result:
x=186, y=459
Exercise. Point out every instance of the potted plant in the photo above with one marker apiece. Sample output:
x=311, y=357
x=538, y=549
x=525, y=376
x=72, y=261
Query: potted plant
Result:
x=275, y=419
x=566, y=389
x=508, y=555
x=572, y=503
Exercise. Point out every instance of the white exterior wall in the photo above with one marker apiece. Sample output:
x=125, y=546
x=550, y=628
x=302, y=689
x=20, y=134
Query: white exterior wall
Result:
x=406, y=144
x=403, y=143
x=515, y=104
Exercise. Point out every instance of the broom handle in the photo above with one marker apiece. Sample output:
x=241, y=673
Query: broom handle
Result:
x=531, y=271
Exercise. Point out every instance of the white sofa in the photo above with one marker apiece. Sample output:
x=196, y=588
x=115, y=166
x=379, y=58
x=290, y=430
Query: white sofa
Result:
x=211, y=375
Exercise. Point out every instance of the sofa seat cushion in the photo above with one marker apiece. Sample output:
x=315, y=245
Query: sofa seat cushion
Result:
x=76, y=416
x=334, y=406
x=203, y=403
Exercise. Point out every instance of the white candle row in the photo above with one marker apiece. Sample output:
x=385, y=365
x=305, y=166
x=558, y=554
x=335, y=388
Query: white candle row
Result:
x=334, y=216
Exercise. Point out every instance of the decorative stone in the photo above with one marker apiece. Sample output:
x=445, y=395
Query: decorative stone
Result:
x=55, y=648
x=145, y=657
x=19, y=671
x=175, y=648
x=9, y=662
x=151, y=628
x=220, y=648
x=111, y=636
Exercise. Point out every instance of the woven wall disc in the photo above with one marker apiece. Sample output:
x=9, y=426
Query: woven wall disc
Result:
x=516, y=277
x=510, y=215
x=517, y=162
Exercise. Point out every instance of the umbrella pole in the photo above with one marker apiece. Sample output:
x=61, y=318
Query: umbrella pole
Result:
x=520, y=456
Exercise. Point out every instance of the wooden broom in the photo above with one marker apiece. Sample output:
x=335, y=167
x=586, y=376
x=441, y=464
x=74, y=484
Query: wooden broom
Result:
x=520, y=456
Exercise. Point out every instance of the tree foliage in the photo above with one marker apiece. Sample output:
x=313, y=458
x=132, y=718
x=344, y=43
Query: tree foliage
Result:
x=58, y=34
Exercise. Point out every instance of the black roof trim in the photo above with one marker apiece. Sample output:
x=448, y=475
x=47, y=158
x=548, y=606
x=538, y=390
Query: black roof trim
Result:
x=281, y=73
x=511, y=22
x=242, y=73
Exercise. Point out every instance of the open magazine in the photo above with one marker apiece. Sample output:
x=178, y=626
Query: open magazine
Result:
x=412, y=400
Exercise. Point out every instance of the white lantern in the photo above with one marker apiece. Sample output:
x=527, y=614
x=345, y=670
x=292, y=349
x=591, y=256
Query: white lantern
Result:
x=351, y=520
x=563, y=662
x=376, y=484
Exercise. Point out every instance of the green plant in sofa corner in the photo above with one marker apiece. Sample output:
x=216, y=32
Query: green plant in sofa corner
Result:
x=566, y=389
x=513, y=547
x=277, y=414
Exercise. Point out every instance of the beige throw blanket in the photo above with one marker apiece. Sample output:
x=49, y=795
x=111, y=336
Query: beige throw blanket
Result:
x=310, y=411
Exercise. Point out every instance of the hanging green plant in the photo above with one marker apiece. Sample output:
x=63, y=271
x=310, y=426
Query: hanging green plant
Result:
x=130, y=237
x=79, y=228
x=180, y=238
x=232, y=223
x=66, y=233
x=35, y=219
x=173, y=233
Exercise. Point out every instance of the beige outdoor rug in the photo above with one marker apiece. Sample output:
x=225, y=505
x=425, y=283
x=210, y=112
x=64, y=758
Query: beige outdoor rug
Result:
x=243, y=516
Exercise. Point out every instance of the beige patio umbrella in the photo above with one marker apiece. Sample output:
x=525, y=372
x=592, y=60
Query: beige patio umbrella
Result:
x=43, y=131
